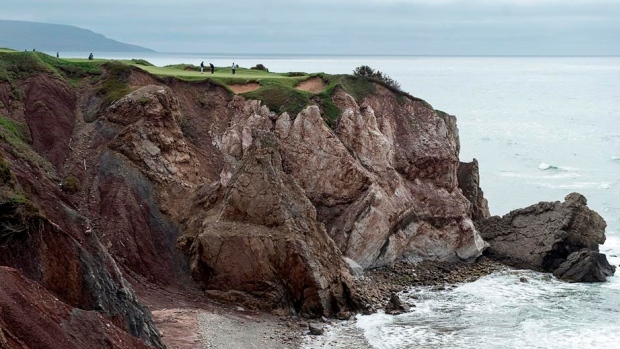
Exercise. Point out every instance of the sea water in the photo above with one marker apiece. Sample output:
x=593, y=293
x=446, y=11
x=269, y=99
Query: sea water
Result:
x=541, y=128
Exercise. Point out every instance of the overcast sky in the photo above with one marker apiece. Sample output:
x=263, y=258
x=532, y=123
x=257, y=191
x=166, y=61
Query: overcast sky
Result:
x=377, y=27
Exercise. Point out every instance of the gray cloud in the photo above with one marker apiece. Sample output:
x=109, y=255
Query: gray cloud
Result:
x=442, y=27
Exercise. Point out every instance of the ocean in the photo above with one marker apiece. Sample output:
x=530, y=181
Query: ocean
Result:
x=541, y=128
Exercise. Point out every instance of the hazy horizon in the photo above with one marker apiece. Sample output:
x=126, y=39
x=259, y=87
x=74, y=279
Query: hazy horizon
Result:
x=345, y=27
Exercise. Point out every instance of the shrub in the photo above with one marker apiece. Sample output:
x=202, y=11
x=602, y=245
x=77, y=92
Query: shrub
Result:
x=260, y=67
x=368, y=72
x=115, y=85
x=142, y=62
x=71, y=185
x=295, y=74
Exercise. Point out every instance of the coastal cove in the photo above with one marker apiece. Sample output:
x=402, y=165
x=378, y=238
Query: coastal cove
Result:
x=184, y=163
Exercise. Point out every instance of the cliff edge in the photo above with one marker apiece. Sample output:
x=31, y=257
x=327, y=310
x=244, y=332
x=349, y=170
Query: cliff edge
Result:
x=115, y=179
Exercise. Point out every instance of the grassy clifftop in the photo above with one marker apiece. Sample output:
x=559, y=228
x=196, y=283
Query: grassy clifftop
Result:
x=281, y=92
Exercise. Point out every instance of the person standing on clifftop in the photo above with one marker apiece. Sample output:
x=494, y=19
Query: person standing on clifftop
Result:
x=233, y=68
x=202, y=66
x=212, y=68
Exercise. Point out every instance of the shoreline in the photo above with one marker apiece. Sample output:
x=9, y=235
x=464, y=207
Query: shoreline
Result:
x=214, y=325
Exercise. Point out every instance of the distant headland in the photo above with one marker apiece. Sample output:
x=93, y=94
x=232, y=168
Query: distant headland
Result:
x=57, y=37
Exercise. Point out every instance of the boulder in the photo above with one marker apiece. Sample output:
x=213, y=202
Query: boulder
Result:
x=558, y=237
x=585, y=266
x=315, y=329
x=395, y=305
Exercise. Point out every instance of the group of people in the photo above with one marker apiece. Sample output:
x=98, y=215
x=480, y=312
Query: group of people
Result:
x=202, y=67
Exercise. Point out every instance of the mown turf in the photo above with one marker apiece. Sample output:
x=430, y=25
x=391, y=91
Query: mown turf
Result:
x=277, y=90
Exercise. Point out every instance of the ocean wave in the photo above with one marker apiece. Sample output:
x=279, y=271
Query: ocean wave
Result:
x=547, y=167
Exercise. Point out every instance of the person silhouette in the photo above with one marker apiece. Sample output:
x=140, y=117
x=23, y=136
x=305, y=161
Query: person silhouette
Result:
x=212, y=67
x=202, y=66
x=233, y=68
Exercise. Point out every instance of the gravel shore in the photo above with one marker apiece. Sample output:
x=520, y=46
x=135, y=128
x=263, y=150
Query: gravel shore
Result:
x=231, y=327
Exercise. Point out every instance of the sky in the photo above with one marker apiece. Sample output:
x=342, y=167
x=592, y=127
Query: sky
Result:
x=358, y=27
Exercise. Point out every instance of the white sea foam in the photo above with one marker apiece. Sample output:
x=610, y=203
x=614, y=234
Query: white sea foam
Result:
x=500, y=311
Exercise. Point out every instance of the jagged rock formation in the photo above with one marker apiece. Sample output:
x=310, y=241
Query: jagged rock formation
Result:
x=469, y=182
x=557, y=237
x=256, y=240
x=99, y=189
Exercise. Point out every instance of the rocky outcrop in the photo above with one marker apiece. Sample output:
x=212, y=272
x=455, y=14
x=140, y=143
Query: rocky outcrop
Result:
x=383, y=182
x=558, y=237
x=255, y=240
x=469, y=182
x=585, y=266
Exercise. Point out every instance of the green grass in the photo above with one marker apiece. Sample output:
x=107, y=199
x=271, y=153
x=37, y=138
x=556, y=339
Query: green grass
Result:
x=115, y=86
x=17, y=129
x=277, y=90
x=14, y=134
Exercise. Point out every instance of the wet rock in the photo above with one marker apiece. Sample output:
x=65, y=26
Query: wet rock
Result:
x=546, y=236
x=523, y=279
x=396, y=306
x=316, y=329
x=344, y=315
x=585, y=266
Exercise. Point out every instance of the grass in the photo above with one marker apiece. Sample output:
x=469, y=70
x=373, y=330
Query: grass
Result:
x=15, y=128
x=115, y=86
x=15, y=135
x=277, y=90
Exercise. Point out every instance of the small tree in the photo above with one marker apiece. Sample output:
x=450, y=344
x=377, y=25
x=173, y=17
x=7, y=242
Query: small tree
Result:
x=368, y=72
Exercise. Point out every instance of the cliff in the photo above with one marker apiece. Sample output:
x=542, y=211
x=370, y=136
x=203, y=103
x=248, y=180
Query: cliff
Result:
x=114, y=179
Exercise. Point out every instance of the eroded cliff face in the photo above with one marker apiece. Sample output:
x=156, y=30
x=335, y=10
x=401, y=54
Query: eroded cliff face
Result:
x=260, y=208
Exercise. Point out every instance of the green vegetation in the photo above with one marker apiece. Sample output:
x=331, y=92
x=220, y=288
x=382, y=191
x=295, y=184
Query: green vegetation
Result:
x=20, y=65
x=15, y=65
x=15, y=134
x=276, y=90
x=368, y=72
x=71, y=185
x=115, y=85
x=15, y=129
x=140, y=62
x=281, y=98
x=260, y=67
x=18, y=215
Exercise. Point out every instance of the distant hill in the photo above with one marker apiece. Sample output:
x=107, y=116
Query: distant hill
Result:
x=22, y=35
